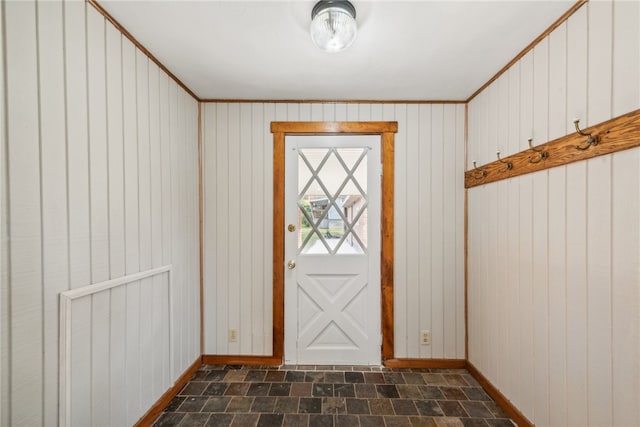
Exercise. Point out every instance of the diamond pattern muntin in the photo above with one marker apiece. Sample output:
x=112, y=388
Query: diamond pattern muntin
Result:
x=332, y=200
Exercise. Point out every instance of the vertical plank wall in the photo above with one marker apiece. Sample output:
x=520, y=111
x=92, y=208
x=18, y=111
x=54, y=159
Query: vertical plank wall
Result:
x=99, y=180
x=429, y=222
x=4, y=242
x=554, y=257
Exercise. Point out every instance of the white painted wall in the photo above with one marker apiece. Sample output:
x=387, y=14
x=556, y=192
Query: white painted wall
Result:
x=101, y=181
x=429, y=222
x=554, y=256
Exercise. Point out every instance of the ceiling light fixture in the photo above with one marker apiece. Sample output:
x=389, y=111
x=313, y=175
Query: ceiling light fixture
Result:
x=333, y=25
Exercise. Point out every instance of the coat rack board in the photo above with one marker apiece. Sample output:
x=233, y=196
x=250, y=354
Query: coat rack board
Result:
x=617, y=134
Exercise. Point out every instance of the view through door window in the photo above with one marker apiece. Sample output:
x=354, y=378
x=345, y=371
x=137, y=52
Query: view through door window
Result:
x=332, y=200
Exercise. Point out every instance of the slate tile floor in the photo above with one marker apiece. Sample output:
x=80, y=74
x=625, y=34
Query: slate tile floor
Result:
x=327, y=396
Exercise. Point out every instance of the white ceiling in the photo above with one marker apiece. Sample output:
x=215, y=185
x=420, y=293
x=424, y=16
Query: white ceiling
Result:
x=405, y=50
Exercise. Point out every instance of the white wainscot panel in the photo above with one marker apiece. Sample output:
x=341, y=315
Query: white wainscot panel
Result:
x=80, y=313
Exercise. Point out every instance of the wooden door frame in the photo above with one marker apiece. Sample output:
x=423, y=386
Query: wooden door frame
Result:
x=387, y=131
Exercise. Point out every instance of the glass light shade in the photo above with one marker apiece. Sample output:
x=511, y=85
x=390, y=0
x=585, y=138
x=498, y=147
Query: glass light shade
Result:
x=333, y=28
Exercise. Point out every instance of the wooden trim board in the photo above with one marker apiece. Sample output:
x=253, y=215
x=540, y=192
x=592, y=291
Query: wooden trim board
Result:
x=617, y=134
x=513, y=412
x=213, y=359
x=387, y=243
x=387, y=131
x=156, y=409
x=426, y=363
x=330, y=101
x=278, y=245
x=333, y=128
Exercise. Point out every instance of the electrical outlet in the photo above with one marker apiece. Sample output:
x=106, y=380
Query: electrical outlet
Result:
x=425, y=337
x=233, y=335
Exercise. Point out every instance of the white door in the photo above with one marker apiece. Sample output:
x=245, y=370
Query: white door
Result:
x=332, y=250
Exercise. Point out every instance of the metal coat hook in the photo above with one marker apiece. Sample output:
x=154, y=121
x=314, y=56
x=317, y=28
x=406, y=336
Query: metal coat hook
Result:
x=542, y=154
x=509, y=164
x=483, y=172
x=591, y=140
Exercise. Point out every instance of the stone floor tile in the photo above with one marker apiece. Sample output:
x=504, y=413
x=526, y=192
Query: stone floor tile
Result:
x=316, y=420
x=194, y=419
x=393, y=378
x=300, y=389
x=381, y=407
x=453, y=393
x=404, y=407
x=263, y=404
x=387, y=390
x=409, y=391
x=270, y=420
x=455, y=380
x=215, y=389
x=334, y=377
x=354, y=377
x=322, y=390
x=280, y=389
x=475, y=393
x=174, y=404
x=470, y=380
x=413, y=378
x=372, y=378
x=200, y=375
x=295, y=420
x=258, y=389
x=194, y=388
x=193, y=404
x=429, y=408
x=474, y=422
x=245, y=420
x=255, y=376
x=274, y=376
x=215, y=375
x=434, y=379
x=310, y=405
x=286, y=405
x=357, y=406
x=448, y=422
x=431, y=392
x=220, y=420
x=452, y=408
x=365, y=391
x=499, y=422
x=169, y=419
x=237, y=389
x=334, y=405
x=496, y=409
x=235, y=376
x=216, y=404
x=314, y=377
x=422, y=422
x=371, y=421
x=239, y=404
x=397, y=421
x=344, y=390
x=476, y=409
x=294, y=376
x=347, y=421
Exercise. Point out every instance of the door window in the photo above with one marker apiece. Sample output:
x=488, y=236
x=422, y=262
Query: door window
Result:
x=332, y=201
